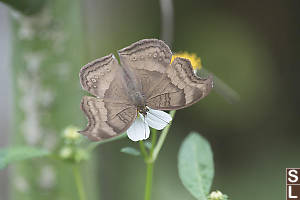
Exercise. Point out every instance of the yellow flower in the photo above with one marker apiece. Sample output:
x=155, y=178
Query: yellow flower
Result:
x=194, y=59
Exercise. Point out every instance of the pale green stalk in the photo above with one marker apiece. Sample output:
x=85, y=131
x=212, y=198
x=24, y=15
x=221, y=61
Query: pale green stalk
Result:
x=162, y=138
x=79, y=182
x=152, y=156
x=149, y=177
x=93, y=145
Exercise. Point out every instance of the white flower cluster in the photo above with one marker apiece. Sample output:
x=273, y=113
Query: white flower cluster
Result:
x=217, y=195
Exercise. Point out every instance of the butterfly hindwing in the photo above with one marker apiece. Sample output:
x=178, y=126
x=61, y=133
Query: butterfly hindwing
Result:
x=106, y=119
x=180, y=87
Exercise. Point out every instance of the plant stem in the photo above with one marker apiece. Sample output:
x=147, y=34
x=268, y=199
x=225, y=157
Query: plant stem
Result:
x=79, y=182
x=167, y=21
x=143, y=149
x=153, y=140
x=150, y=159
x=161, y=139
x=228, y=93
x=93, y=145
x=148, y=187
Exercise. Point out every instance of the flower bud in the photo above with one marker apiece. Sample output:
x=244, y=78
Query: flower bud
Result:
x=70, y=134
x=217, y=195
x=65, y=153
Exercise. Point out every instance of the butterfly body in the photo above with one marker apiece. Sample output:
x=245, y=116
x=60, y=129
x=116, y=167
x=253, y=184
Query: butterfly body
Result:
x=132, y=86
x=145, y=78
x=142, y=110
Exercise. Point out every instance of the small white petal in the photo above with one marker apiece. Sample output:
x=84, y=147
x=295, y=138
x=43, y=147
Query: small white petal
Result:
x=157, y=119
x=139, y=130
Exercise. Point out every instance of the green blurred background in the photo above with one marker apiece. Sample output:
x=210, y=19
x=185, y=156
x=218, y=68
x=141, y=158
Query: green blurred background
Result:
x=253, y=46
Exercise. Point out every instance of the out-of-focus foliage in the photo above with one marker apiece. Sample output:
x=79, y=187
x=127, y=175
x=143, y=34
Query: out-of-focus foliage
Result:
x=131, y=151
x=27, y=7
x=47, y=54
x=14, y=154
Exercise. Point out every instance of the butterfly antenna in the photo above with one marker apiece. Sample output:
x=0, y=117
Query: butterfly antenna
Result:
x=159, y=118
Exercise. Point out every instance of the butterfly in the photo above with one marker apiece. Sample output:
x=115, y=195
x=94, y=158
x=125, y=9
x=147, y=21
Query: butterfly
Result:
x=144, y=83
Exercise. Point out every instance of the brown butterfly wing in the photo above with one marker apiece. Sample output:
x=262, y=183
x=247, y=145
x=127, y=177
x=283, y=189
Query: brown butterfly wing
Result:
x=165, y=86
x=96, y=76
x=112, y=112
x=149, y=60
x=180, y=87
x=106, y=119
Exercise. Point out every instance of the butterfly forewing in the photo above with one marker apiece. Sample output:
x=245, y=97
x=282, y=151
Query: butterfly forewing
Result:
x=149, y=59
x=96, y=76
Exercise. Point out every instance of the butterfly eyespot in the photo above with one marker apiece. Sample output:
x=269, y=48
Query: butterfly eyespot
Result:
x=155, y=55
x=93, y=80
x=133, y=58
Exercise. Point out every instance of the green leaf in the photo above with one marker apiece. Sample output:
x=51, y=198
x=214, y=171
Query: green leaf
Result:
x=195, y=165
x=130, y=151
x=13, y=154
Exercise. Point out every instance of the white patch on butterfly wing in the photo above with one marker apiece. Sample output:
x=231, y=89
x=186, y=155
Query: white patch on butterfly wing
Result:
x=139, y=130
x=157, y=119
